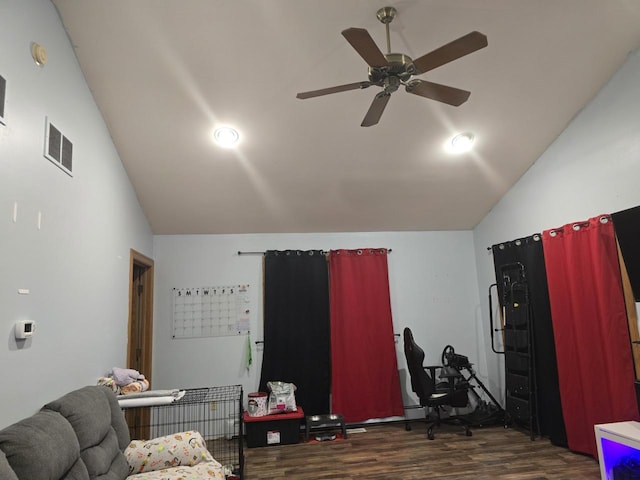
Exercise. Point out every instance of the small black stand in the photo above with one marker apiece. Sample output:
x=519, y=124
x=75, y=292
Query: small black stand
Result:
x=317, y=423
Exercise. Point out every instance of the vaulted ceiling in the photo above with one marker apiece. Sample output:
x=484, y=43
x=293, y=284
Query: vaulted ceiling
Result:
x=165, y=73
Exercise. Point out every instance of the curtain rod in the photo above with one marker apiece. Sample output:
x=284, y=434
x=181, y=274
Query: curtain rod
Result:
x=536, y=237
x=262, y=253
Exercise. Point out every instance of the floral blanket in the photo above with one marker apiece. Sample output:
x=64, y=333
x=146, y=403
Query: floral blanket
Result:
x=181, y=456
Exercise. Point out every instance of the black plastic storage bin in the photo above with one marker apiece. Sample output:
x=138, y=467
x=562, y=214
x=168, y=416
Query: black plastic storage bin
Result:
x=278, y=429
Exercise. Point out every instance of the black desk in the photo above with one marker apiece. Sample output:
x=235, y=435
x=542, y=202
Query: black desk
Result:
x=331, y=421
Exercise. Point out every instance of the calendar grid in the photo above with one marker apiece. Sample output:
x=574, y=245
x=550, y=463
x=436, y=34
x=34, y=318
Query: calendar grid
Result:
x=211, y=311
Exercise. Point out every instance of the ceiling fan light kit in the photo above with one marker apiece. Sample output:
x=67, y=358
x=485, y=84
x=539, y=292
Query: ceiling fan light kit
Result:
x=463, y=142
x=226, y=137
x=392, y=70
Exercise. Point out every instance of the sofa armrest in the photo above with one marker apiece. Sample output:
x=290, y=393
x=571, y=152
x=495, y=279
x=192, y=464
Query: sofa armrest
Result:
x=5, y=469
x=178, y=449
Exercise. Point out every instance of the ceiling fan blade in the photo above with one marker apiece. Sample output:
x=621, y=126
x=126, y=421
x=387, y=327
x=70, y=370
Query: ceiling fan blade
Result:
x=362, y=42
x=435, y=91
x=464, y=45
x=339, y=88
x=375, y=110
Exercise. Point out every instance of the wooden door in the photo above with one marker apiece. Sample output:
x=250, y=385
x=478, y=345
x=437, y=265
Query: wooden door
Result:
x=140, y=334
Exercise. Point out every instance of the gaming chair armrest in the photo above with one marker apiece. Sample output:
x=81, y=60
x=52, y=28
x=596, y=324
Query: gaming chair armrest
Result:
x=432, y=368
x=432, y=373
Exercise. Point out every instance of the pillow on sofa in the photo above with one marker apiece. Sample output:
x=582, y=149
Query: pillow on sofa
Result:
x=178, y=449
x=43, y=447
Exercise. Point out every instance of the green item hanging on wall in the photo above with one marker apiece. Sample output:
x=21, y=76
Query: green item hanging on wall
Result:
x=248, y=359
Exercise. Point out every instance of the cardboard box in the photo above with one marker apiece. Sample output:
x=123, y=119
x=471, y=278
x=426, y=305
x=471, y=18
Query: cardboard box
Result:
x=278, y=429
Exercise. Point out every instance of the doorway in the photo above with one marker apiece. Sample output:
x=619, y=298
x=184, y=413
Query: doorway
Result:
x=140, y=334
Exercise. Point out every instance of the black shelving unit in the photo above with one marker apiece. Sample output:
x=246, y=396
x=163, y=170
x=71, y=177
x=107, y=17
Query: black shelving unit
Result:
x=521, y=399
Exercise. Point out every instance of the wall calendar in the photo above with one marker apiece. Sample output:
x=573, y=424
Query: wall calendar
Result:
x=211, y=311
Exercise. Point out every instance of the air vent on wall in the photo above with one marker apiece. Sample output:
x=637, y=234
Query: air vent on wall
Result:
x=58, y=148
x=3, y=89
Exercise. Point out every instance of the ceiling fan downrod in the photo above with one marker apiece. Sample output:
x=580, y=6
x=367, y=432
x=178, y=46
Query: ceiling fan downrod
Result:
x=386, y=15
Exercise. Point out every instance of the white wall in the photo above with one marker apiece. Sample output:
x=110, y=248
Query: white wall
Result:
x=76, y=266
x=432, y=282
x=593, y=167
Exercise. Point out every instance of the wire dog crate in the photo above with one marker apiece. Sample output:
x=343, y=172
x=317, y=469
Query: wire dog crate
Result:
x=215, y=412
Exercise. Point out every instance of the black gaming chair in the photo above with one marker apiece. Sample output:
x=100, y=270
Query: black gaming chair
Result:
x=433, y=396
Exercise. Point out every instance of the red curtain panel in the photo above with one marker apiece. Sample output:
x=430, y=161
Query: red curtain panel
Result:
x=593, y=349
x=365, y=382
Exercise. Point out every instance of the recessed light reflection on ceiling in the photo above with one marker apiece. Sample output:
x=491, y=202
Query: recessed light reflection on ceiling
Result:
x=227, y=137
x=463, y=142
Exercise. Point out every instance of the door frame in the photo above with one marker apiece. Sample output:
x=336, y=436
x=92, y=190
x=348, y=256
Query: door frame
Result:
x=138, y=260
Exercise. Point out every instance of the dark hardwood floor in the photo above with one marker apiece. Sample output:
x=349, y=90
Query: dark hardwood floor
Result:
x=391, y=452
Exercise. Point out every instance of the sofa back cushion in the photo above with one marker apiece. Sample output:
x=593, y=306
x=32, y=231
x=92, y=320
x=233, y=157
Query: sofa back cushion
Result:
x=91, y=415
x=43, y=447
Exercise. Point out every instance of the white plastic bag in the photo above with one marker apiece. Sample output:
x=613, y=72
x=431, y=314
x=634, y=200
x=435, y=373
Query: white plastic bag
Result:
x=282, y=398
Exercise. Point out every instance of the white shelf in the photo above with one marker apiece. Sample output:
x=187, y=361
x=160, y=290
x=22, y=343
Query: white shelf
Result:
x=615, y=441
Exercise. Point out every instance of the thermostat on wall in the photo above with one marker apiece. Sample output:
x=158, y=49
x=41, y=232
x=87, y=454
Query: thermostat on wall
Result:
x=25, y=328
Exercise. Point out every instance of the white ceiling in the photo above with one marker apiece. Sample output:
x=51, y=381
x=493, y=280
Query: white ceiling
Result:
x=165, y=72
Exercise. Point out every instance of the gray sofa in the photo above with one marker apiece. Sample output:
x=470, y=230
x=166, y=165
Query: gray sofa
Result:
x=81, y=436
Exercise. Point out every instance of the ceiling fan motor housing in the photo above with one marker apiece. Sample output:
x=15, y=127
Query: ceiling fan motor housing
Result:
x=398, y=65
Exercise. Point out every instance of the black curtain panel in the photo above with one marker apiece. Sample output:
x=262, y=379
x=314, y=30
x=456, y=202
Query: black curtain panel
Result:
x=296, y=326
x=627, y=227
x=529, y=252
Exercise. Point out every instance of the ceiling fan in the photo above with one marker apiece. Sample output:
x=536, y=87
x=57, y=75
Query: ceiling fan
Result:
x=391, y=70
